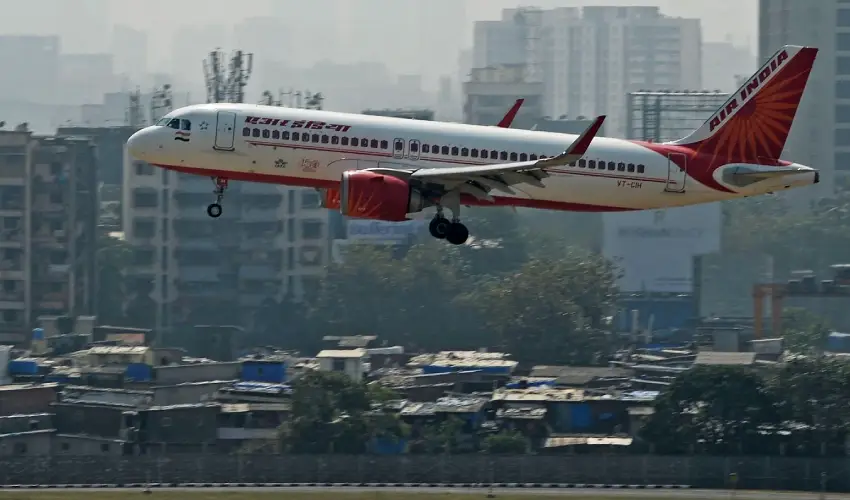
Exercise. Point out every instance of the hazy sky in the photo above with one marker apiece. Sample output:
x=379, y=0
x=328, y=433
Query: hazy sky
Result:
x=721, y=18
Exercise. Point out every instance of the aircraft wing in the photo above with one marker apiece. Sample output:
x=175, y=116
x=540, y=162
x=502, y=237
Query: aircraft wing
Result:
x=479, y=180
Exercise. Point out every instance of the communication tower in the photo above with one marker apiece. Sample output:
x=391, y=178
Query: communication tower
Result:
x=530, y=20
x=661, y=116
x=135, y=115
x=300, y=99
x=227, y=82
x=161, y=102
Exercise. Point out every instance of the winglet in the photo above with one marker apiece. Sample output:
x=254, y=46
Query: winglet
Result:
x=578, y=148
x=511, y=114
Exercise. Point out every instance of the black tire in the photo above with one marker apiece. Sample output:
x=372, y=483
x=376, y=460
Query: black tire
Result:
x=439, y=227
x=214, y=210
x=458, y=234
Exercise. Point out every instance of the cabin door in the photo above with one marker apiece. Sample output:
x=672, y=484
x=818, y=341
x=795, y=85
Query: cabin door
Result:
x=398, y=148
x=225, y=130
x=677, y=172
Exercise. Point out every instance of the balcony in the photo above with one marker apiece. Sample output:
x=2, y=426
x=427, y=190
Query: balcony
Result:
x=261, y=272
x=11, y=238
x=12, y=300
x=199, y=274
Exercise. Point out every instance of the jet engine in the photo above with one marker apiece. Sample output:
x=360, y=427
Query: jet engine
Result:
x=329, y=198
x=371, y=195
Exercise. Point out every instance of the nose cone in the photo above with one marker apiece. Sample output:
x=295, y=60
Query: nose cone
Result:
x=142, y=145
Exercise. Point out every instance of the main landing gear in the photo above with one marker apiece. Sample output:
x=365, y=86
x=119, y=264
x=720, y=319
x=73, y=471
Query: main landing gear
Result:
x=452, y=230
x=214, y=209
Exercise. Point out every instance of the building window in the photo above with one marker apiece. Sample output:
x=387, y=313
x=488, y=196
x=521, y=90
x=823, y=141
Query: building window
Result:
x=842, y=161
x=104, y=447
x=143, y=168
x=842, y=42
x=338, y=365
x=65, y=446
x=311, y=229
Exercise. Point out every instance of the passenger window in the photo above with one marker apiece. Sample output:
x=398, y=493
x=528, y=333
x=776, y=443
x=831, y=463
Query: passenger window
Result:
x=435, y=149
x=484, y=154
x=631, y=167
x=474, y=153
x=612, y=165
x=364, y=143
x=591, y=164
x=503, y=155
x=334, y=140
x=345, y=141
x=533, y=157
x=640, y=169
x=266, y=133
x=355, y=141
x=582, y=163
x=444, y=150
x=494, y=154
x=246, y=132
x=276, y=134
x=513, y=157
x=464, y=151
x=426, y=148
x=315, y=137
x=385, y=144
x=374, y=144
x=305, y=137
x=186, y=125
x=284, y=135
x=621, y=167
x=175, y=124
x=255, y=132
x=455, y=150
x=296, y=136
x=523, y=157
x=325, y=139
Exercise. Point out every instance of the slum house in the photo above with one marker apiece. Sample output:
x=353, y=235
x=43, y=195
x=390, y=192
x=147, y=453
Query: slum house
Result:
x=347, y=361
x=178, y=428
x=27, y=398
x=258, y=423
x=187, y=393
x=468, y=410
x=93, y=429
x=271, y=369
x=127, y=398
x=348, y=342
x=28, y=435
x=196, y=372
x=495, y=363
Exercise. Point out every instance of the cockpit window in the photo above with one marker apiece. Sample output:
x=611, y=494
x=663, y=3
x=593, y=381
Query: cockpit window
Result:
x=174, y=123
x=162, y=122
x=186, y=125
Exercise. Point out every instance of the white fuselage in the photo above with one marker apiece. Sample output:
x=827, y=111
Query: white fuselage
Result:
x=268, y=144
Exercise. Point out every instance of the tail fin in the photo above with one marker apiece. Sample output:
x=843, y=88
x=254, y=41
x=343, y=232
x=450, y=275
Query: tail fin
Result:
x=753, y=125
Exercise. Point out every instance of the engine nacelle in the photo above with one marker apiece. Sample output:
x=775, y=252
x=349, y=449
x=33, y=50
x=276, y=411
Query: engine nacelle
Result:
x=370, y=195
x=329, y=198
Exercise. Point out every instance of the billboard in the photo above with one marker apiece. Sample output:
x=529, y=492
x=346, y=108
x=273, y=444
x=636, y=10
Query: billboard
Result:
x=655, y=249
x=399, y=232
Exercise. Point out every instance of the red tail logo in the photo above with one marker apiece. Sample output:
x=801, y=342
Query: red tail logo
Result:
x=754, y=124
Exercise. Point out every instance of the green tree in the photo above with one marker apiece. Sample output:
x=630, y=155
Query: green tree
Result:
x=551, y=311
x=715, y=408
x=803, y=332
x=114, y=256
x=506, y=443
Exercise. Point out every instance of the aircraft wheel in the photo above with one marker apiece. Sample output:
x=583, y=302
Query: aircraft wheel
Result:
x=458, y=234
x=439, y=227
x=214, y=210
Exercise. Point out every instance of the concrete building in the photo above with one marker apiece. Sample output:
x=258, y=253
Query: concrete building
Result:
x=821, y=133
x=271, y=242
x=589, y=58
x=48, y=221
x=490, y=93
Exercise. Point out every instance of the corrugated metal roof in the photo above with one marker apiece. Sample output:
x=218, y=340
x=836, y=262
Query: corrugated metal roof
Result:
x=725, y=358
x=342, y=353
x=463, y=359
x=539, y=394
x=557, y=442
x=118, y=349
x=249, y=407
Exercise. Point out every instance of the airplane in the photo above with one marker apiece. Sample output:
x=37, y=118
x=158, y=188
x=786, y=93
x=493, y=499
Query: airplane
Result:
x=383, y=168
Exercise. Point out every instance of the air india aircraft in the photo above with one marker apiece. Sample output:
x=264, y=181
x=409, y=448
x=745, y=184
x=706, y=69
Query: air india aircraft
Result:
x=388, y=168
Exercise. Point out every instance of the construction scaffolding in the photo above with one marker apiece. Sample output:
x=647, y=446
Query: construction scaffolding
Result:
x=663, y=116
x=226, y=82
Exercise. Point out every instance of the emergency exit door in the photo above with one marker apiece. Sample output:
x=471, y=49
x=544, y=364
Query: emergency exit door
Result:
x=677, y=172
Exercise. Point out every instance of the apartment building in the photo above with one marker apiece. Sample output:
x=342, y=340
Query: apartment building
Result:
x=590, y=58
x=491, y=91
x=270, y=242
x=48, y=223
x=820, y=136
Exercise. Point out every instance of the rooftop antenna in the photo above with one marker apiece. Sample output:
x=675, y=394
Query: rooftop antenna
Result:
x=162, y=102
x=239, y=72
x=214, y=77
x=135, y=116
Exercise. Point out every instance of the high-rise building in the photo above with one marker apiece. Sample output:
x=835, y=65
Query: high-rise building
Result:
x=271, y=242
x=590, y=58
x=820, y=136
x=30, y=68
x=48, y=223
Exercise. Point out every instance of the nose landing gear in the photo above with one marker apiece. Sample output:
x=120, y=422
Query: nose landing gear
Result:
x=214, y=209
